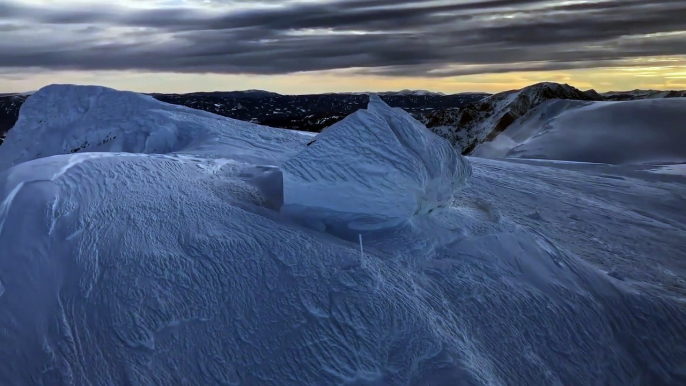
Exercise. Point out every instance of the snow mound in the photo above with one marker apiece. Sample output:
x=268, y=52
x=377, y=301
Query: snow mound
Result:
x=149, y=270
x=483, y=120
x=76, y=119
x=169, y=269
x=376, y=168
x=641, y=131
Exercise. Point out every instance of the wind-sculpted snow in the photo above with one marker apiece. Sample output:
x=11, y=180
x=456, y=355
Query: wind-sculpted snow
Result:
x=483, y=120
x=176, y=269
x=376, y=168
x=64, y=119
x=632, y=132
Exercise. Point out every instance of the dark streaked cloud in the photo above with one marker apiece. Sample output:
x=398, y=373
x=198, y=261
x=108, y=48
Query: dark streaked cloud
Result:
x=387, y=37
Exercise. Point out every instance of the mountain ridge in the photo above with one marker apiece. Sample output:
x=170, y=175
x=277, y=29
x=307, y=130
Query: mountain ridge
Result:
x=482, y=120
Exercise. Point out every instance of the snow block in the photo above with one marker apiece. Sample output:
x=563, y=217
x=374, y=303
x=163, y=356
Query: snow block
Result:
x=377, y=168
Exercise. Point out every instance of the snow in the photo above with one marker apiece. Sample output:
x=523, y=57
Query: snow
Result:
x=178, y=268
x=89, y=118
x=482, y=120
x=377, y=167
x=677, y=170
x=419, y=92
x=631, y=132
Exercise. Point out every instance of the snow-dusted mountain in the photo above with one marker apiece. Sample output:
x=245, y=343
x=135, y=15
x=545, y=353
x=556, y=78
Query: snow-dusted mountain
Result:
x=482, y=120
x=641, y=131
x=411, y=92
x=179, y=247
x=642, y=94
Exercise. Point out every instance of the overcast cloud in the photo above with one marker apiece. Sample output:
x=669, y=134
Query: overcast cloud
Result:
x=382, y=37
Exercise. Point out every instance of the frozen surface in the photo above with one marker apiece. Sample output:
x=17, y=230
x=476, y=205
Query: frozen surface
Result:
x=149, y=269
x=376, y=168
x=641, y=131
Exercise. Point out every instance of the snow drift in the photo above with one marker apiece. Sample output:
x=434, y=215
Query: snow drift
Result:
x=69, y=119
x=481, y=121
x=642, y=131
x=376, y=168
x=157, y=269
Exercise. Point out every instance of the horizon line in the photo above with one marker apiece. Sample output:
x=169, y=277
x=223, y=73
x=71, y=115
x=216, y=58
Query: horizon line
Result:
x=431, y=92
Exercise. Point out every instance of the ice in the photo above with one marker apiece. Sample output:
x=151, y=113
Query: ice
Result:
x=178, y=268
x=377, y=168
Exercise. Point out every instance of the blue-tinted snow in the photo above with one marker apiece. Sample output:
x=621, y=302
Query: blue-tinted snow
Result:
x=376, y=168
x=175, y=268
x=631, y=132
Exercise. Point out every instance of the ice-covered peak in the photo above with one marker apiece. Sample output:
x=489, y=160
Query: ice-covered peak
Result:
x=376, y=168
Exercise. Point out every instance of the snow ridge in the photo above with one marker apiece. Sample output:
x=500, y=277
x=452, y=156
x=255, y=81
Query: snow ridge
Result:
x=76, y=119
x=630, y=132
x=376, y=168
x=483, y=120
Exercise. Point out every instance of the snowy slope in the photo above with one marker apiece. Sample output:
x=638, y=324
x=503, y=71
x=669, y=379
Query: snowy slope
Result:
x=149, y=269
x=70, y=119
x=642, y=131
x=376, y=167
x=483, y=120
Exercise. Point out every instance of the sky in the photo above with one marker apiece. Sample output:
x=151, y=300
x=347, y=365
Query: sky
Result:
x=314, y=46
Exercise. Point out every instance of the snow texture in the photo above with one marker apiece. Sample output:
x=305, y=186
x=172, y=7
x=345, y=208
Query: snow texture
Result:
x=483, y=120
x=676, y=170
x=632, y=132
x=70, y=119
x=376, y=168
x=176, y=269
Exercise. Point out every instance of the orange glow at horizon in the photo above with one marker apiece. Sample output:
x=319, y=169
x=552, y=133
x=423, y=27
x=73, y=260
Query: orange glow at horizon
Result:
x=661, y=76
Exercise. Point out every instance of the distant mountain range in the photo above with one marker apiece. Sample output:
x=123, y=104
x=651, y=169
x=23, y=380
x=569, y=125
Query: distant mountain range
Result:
x=482, y=121
x=642, y=94
x=298, y=112
x=465, y=119
x=9, y=111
